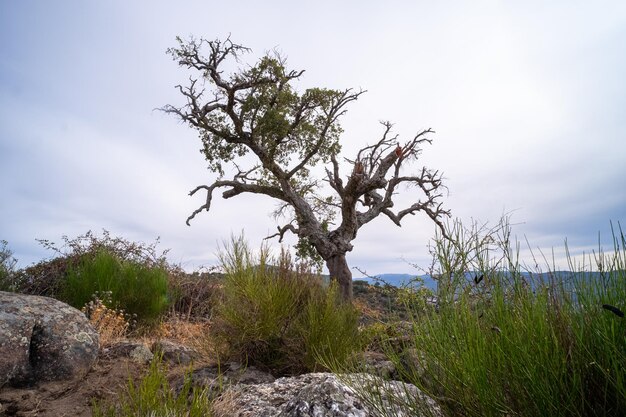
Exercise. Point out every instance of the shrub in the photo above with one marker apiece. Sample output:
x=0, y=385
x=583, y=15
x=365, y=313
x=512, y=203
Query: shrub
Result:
x=328, y=328
x=277, y=318
x=194, y=295
x=514, y=343
x=111, y=324
x=135, y=288
x=124, y=249
x=7, y=268
x=46, y=277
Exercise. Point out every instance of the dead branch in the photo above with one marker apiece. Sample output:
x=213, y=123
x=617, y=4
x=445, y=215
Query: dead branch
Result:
x=235, y=189
x=282, y=230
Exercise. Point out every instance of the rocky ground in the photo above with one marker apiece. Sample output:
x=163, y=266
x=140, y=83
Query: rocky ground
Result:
x=58, y=399
x=117, y=363
x=121, y=360
x=251, y=393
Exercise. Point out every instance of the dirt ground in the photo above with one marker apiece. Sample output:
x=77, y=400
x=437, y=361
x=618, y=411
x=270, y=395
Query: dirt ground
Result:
x=105, y=381
x=71, y=399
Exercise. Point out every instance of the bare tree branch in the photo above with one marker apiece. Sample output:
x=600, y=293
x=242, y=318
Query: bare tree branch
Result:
x=235, y=189
x=255, y=114
x=282, y=230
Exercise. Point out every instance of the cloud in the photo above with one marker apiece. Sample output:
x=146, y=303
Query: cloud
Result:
x=526, y=99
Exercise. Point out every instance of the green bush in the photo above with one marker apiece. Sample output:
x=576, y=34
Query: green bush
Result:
x=328, y=328
x=7, y=268
x=138, y=289
x=47, y=277
x=277, y=318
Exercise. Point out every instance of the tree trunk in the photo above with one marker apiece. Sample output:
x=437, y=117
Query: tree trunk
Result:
x=340, y=272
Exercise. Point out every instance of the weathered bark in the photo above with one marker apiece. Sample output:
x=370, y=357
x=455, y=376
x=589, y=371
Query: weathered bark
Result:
x=340, y=272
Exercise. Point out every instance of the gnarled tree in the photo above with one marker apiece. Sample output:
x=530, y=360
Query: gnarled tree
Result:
x=254, y=120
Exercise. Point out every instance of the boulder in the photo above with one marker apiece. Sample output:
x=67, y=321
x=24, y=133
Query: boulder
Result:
x=136, y=351
x=43, y=339
x=378, y=364
x=214, y=378
x=325, y=395
x=175, y=352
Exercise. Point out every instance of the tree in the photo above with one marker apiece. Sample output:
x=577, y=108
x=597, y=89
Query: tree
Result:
x=255, y=121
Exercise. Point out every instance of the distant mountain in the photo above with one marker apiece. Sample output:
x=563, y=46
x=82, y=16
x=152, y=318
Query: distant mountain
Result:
x=400, y=280
x=564, y=277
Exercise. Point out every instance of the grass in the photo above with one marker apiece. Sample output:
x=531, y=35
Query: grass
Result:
x=503, y=339
x=518, y=344
x=153, y=397
x=276, y=317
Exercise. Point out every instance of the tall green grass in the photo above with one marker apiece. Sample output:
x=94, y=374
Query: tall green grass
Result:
x=152, y=396
x=277, y=317
x=519, y=344
x=138, y=289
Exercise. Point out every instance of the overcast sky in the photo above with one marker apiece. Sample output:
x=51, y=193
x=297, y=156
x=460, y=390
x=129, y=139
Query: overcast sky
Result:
x=528, y=101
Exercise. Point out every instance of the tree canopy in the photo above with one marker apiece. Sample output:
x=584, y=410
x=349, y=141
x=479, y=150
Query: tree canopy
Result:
x=256, y=127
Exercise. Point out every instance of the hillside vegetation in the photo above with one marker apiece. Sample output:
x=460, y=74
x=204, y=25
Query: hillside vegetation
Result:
x=506, y=342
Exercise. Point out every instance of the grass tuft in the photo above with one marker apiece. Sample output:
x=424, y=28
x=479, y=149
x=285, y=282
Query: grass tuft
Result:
x=153, y=397
x=507, y=341
x=276, y=316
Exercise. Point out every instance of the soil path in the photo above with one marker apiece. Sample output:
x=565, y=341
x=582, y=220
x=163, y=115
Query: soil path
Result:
x=105, y=381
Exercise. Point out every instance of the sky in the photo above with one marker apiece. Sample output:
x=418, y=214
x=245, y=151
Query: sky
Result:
x=527, y=99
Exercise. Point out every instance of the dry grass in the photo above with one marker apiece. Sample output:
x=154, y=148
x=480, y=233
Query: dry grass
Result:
x=367, y=312
x=225, y=405
x=111, y=324
x=188, y=332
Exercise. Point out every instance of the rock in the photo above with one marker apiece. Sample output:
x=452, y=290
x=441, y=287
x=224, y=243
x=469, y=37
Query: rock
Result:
x=378, y=364
x=175, y=352
x=136, y=351
x=214, y=378
x=324, y=395
x=43, y=339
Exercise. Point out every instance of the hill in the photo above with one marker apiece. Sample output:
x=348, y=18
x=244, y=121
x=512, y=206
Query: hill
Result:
x=400, y=280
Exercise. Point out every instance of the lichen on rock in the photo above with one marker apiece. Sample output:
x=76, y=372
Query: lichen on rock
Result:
x=43, y=339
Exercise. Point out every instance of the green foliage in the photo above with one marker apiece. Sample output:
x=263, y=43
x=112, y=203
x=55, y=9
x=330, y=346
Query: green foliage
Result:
x=7, y=268
x=285, y=124
x=137, y=289
x=46, y=277
x=531, y=353
x=306, y=252
x=328, y=327
x=153, y=397
x=277, y=318
x=513, y=345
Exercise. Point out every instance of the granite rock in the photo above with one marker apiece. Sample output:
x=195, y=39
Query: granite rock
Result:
x=43, y=339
